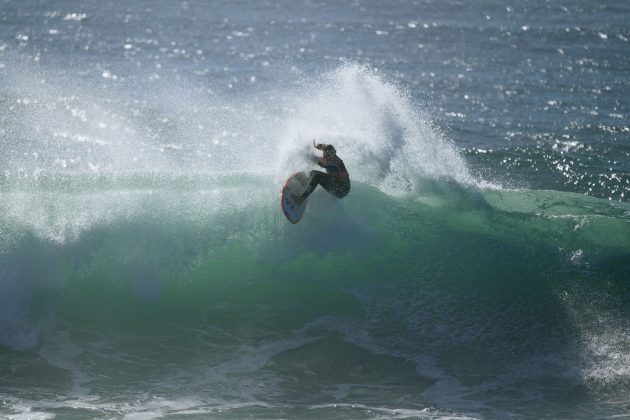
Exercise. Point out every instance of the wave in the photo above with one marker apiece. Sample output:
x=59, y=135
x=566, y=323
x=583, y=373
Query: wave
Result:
x=422, y=268
x=146, y=251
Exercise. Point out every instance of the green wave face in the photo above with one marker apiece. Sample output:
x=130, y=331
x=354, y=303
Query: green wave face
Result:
x=198, y=286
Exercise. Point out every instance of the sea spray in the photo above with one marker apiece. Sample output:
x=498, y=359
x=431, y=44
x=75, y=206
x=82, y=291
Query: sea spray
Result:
x=385, y=139
x=388, y=141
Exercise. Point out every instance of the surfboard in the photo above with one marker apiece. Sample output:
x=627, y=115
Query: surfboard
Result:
x=295, y=184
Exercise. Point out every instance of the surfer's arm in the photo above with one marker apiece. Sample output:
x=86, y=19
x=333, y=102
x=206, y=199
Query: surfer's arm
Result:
x=329, y=166
x=321, y=146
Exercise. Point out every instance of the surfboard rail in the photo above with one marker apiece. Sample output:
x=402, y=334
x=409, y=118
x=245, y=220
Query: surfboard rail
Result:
x=293, y=185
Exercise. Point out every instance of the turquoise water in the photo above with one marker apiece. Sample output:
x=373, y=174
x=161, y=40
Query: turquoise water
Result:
x=479, y=268
x=165, y=299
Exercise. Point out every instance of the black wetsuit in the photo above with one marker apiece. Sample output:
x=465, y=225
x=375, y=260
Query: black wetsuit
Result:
x=335, y=180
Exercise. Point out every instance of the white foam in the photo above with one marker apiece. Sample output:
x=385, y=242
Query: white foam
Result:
x=392, y=413
x=23, y=410
x=604, y=338
x=144, y=407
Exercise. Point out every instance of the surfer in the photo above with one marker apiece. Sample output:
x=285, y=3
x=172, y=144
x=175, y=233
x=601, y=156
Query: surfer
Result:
x=335, y=180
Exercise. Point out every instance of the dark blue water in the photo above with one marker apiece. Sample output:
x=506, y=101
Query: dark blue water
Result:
x=479, y=268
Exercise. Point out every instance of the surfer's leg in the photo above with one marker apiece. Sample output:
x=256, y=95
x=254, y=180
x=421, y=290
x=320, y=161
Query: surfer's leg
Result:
x=333, y=187
x=316, y=178
x=341, y=189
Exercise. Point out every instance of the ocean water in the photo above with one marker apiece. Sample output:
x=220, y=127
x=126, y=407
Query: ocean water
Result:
x=479, y=268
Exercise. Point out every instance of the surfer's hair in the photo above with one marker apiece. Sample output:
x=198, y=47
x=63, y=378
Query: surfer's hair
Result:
x=329, y=148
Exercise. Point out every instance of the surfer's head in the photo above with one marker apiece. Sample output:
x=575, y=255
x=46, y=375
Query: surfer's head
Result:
x=329, y=150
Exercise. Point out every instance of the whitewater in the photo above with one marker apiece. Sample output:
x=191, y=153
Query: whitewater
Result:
x=147, y=270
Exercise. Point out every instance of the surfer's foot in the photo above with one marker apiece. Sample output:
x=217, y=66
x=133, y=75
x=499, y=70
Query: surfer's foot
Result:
x=298, y=198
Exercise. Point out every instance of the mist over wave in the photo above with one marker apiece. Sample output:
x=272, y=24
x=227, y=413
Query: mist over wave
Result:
x=58, y=124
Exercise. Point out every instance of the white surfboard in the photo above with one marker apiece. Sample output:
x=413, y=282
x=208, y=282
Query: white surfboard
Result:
x=295, y=184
